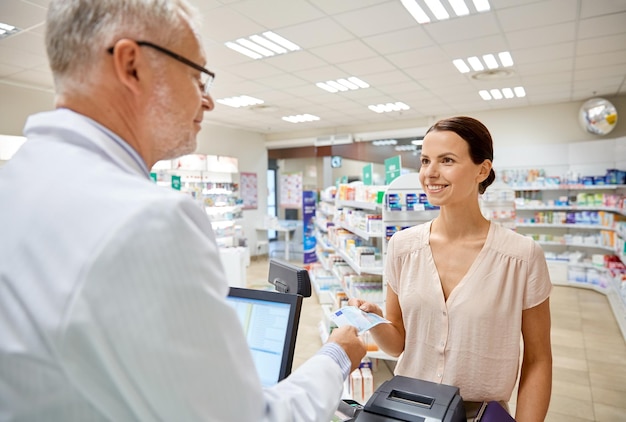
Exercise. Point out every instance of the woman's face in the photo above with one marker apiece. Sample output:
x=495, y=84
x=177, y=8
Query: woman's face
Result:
x=447, y=174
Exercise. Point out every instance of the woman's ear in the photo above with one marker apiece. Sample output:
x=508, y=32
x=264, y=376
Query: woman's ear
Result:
x=485, y=169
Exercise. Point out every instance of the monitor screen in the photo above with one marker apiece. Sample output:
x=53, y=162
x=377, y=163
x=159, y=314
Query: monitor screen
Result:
x=270, y=322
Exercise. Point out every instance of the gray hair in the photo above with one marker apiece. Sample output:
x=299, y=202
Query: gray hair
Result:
x=78, y=32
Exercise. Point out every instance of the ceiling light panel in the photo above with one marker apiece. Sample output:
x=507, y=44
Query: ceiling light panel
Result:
x=300, y=118
x=263, y=45
x=475, y=63
x=344, y=84
x=406, y=147
x=388, y=107
x=498, y=94
x=384, y=142
x=6, y=30
x=241, y=101
x=425, y=11
x=488, y=61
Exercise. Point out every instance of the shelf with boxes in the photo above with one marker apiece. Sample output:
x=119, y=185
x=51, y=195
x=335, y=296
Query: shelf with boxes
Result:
x=349, y=251
x=357, y=231
x=213, y=182
x=322, y=278
x=365, y=218
x=405, y=205
x=581, y=225
x=571, y=221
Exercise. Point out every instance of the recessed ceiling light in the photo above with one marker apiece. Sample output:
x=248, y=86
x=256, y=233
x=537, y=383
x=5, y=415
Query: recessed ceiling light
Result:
x=438, y=10
x=519, y=91
x=488, y=60
x=506, y=59
x=389, y=107
x=481, y=5
x=384, y=142
x=475, y=63
x=498, y=94
x=459, y=7
x=461, y=65
x=267, y=44
x=416, y=11
x=425, y=11
x=406, y=147
x=240, y=101
x=300, y=118
x=6, y=30
x=508, y=93
x=343, y=84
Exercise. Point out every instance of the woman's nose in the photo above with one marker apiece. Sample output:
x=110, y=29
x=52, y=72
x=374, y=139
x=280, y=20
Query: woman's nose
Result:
x=430, y=170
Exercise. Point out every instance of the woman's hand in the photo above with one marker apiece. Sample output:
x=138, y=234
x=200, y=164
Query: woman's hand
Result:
x=366, y=306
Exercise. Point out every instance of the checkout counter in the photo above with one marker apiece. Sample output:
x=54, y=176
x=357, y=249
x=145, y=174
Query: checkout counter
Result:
x=409, y=399
x=413, y=400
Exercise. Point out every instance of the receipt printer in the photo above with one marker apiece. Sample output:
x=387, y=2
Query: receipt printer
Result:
x=409, y=399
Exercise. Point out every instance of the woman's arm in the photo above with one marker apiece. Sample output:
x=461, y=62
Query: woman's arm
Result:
x=535, y=384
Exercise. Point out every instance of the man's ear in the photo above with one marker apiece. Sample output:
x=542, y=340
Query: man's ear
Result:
x=127, y=61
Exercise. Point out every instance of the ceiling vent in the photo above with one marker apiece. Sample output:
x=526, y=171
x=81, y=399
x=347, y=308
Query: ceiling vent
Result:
x=324, y=141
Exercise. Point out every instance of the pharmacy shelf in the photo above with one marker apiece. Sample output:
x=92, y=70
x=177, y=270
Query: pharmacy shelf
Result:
x=360, y=232
x=324, y=296
x=356, y=267
x=569, y=208
x=577, y=245
x=618, y=305
x=371, y=206
x=563, y=270
x=616, y=301
x=564, y=187
x=566, y=226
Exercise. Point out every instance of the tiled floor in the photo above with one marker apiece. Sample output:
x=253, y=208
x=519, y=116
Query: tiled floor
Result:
x=589, y=382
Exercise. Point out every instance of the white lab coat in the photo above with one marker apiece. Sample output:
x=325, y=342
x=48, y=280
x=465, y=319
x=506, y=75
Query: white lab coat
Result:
x=112, y=296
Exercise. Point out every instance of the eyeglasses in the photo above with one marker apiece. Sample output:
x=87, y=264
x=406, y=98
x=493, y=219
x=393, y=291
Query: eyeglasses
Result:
x=206, y=76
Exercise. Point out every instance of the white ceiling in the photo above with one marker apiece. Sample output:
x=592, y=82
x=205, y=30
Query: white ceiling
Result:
x=564, y=50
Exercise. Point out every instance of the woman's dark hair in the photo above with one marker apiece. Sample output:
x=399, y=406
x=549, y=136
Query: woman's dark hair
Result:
x=477, y=137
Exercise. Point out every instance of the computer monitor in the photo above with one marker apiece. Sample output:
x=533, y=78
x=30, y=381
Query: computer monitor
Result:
x=289, y=278
x=270, y=322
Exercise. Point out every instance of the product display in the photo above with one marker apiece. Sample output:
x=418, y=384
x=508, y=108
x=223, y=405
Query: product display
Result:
x=580, y=223
x=363, y=219
x=212, y=182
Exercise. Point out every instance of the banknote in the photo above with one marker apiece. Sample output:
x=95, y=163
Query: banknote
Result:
x=351, y=315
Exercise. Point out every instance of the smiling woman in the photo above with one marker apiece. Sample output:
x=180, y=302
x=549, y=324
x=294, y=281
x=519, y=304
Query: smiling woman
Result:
x=463, y=291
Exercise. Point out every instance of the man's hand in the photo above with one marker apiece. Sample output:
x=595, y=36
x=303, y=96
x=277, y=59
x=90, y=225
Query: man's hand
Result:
x=347, y=338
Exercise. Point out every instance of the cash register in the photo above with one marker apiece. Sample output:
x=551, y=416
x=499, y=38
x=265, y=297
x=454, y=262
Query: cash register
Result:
x=413, y=400
x=409, y=399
